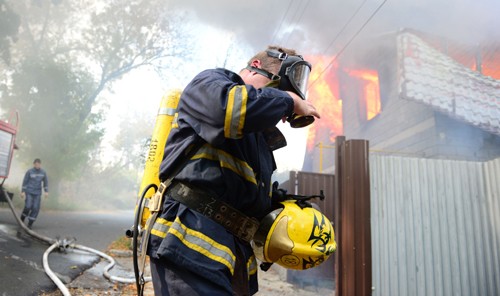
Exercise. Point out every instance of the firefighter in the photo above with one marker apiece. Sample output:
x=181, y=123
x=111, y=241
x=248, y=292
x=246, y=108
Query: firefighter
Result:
x=34, y=179
x=200, y=242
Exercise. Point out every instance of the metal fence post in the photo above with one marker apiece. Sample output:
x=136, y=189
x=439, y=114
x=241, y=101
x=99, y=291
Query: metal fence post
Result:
x=352, y=218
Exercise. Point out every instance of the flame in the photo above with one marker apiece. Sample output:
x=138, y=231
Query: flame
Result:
x=323, y=93
x=491, y=66
x=371, y=91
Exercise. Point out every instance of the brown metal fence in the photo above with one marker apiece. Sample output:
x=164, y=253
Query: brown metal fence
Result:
x=347, y=204
x=352, y=218
x=306, y=183
x=435, y=224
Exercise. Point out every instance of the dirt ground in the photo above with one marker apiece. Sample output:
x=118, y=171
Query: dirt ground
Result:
x=92, y=283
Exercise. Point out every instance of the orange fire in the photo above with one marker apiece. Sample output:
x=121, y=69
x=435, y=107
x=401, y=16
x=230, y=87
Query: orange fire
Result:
x=491, y=66
x=371, y=91
x=323, y=92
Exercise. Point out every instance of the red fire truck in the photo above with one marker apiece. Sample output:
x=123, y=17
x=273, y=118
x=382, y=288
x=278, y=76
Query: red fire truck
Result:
x=8, y=130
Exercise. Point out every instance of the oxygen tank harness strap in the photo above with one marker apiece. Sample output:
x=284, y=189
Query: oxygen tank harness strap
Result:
x=207, y=204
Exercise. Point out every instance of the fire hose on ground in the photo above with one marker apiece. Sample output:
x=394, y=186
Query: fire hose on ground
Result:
x=65, y=244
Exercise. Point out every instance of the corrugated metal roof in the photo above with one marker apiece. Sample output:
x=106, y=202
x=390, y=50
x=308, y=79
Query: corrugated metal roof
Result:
x=428, y=76
x=484, y=57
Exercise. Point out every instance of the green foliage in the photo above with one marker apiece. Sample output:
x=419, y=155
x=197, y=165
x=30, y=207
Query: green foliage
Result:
x=115, y=185
x=54, y=127
x=9, y=25
x=67, y=54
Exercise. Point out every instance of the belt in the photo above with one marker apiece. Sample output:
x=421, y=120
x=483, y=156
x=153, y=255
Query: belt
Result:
x=207, y=204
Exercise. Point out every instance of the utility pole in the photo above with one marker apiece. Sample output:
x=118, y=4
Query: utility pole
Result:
x=321, y=147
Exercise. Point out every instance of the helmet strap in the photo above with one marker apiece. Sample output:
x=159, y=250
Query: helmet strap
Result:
x=277, y=54
x=263, y=72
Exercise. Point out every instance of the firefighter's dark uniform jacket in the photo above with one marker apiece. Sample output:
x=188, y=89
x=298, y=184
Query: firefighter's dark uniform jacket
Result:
x=33, y=179
x=235, y=163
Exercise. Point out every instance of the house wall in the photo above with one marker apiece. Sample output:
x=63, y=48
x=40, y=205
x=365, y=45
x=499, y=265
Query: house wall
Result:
x=458, y=140
x=435, y=226
x=404, y=126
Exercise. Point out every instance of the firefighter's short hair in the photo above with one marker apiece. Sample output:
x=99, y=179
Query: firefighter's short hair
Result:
x=268, y=63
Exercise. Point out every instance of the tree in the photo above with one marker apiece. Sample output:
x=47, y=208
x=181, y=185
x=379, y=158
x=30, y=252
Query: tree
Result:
x=142, y=34
x=115, y=184
x=9, y=25
x=68, y=52
x=50, y=116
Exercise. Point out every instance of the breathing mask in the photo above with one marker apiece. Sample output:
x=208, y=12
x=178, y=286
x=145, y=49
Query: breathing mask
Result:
x=292, y=76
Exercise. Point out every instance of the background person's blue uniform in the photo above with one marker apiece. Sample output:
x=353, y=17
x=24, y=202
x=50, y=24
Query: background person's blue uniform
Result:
x=186, y=248
x=32, y=187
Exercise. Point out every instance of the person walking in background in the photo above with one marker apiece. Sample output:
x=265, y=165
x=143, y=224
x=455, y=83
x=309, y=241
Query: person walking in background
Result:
x=32, y=191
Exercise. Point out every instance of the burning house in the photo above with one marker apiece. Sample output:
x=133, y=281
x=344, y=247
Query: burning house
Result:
x=430, y=109
x=413, y=94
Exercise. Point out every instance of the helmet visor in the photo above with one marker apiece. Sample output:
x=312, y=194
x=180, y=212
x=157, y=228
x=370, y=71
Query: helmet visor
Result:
x=298, y=74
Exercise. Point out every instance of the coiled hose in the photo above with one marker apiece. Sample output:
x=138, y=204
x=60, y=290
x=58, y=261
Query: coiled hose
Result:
x=64, y=244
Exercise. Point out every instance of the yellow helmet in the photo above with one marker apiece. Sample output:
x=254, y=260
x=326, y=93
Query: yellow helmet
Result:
x=294, y=236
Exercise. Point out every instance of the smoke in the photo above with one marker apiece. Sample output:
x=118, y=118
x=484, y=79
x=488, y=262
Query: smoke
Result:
x=311, y=26
x=323, y=28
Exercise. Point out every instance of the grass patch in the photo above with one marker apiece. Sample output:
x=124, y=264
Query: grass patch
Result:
x=122, y=243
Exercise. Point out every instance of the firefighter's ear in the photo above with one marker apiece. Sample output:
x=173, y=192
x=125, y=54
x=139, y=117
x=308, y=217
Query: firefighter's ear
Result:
x=256, y=64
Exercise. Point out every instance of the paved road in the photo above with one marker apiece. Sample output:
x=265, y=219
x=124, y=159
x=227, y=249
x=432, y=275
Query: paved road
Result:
x=21, y=271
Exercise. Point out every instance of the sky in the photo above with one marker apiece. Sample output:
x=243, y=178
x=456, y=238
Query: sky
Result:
x=227, y=33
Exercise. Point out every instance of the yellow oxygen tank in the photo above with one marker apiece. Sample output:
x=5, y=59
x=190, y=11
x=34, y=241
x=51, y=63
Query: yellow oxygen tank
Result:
x=163, y=125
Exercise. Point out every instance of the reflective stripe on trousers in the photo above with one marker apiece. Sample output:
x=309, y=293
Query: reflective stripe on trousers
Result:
x=196, y=241
x=31, y=206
